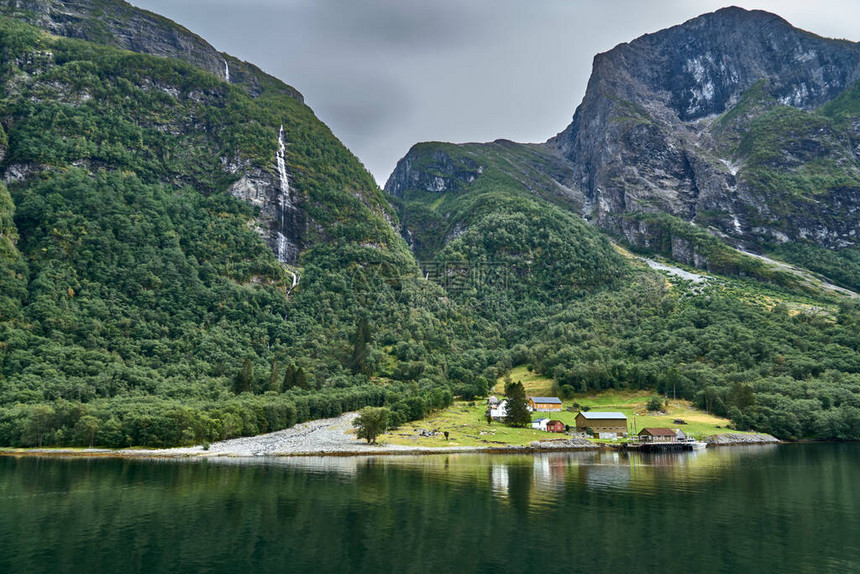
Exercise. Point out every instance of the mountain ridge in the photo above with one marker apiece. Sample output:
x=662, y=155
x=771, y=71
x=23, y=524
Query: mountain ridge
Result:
x=121, y=25
x=714, y=122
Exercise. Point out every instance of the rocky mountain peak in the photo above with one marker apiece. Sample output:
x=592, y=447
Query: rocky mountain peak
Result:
x=647, y=136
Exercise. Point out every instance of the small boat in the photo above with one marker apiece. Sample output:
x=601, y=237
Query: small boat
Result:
x=696, y=444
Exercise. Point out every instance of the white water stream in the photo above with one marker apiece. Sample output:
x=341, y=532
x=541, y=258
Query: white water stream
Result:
x=284, y=202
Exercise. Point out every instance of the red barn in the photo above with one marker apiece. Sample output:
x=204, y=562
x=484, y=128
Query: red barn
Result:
x=555, y=426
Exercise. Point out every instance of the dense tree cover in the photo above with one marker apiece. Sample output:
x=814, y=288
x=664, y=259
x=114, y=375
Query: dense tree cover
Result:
x=755, y=355
x=138, y=304
x=766, y=351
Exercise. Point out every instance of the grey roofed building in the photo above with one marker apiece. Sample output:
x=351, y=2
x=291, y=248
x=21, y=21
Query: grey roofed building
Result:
x=551, y=400
x=598, y=415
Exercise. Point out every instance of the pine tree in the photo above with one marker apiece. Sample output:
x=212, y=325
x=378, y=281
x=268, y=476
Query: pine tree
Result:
x=274, y=376
x=358, y=360
x=517, y=412
x=301, y=379
x=515, y=390
x=289, y=378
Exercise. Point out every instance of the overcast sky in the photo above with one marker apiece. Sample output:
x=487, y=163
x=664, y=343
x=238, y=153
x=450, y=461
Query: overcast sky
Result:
x=385, y=74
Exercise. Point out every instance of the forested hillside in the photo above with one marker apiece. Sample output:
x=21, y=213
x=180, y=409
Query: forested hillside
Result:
x=140, y=302
x=188, y=254
x=749, y=341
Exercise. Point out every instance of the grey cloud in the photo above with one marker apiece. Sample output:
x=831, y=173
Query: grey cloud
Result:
x=385, y=74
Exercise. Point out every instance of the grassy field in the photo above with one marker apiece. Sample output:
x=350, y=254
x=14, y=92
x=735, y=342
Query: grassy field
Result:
x=467, y=426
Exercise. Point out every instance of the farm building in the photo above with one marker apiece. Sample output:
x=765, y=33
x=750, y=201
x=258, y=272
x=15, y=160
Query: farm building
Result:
x=545, y=404
x=602, y=424
x=540, y=424
x=657, y=435
x=554, y=426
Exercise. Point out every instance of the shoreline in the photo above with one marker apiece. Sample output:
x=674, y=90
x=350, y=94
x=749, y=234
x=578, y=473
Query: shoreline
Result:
x=333, y=438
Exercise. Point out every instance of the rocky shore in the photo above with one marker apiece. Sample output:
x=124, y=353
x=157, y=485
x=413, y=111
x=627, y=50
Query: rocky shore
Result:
x=334, y=437
x=324, y=437
x=727, y=439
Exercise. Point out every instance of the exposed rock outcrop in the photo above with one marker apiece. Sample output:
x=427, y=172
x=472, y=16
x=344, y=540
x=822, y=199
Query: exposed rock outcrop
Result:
x=645, y=136
x=736, y=438
x=117, y=23
x=435, y=172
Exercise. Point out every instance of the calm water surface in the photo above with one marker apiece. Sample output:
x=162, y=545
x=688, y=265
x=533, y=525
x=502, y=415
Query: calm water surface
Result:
x=792, y=508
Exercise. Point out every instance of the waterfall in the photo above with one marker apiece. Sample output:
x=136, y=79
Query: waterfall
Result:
x=226, y=71
x=282, y=165
x=283, y=247
x=286, y=251
x=284, y=196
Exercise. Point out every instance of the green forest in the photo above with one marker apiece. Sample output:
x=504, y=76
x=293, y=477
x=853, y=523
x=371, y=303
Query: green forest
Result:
x=139, y=306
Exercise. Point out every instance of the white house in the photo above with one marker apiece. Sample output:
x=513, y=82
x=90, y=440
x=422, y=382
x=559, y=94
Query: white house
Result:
x=498, y=411
x=540, y=424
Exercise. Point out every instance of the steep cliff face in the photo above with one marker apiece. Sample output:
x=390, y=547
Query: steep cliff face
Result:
x=191, y=116
x=117, y=23
x=677, y=121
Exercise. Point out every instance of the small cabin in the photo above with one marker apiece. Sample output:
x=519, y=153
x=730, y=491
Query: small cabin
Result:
x=554, y=426
x=657, y=435
x=545, y=404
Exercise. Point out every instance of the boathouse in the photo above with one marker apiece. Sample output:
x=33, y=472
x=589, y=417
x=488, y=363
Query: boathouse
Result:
x=602, y=424
x=545, y=404
x=657, y=435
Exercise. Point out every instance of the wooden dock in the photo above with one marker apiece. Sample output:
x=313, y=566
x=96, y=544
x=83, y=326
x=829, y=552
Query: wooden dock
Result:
x=656, y=446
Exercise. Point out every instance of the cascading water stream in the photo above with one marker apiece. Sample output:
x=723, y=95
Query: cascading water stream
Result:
x=284, y=195
x=226, y=71
x=284, y=203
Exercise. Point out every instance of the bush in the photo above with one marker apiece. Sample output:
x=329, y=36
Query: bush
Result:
x=655, y=403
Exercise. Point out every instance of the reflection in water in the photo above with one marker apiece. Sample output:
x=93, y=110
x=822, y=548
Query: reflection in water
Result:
x=554, y=473
x=499, y=478
x=756, y=509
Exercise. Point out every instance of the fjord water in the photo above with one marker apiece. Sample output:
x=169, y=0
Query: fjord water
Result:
x=742, y=509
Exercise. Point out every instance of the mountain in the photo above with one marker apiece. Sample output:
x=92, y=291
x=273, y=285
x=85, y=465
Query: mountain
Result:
x=734, y=121
x=722, y=121
x=186, y=256
x=710, y=143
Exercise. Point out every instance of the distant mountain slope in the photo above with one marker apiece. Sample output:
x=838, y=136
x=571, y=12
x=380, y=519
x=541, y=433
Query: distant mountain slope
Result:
x=731, y=130
x=119, y=24
x=734, y=121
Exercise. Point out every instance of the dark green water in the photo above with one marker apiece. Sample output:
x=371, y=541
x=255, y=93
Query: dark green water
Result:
x=762, y=509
